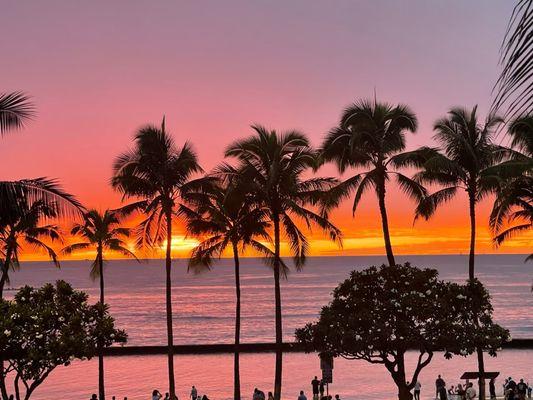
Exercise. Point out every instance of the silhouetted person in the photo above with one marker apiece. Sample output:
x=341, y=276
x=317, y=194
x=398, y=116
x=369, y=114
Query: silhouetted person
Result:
x=302, y=396
x=270, y=396
x=521, y=388
x=337, y=397
x=167, y=396
x=204, y=397
x=321, y=388
x=439, y=383
x=315, y=383
x=194, y=393
x=94, y=397
x=492, y=388
x=417, y=388
x=156, y=395
x=470, y=392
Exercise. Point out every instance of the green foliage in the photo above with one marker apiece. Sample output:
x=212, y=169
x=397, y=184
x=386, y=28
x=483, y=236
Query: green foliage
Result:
x=41, y=329
x=377, y=314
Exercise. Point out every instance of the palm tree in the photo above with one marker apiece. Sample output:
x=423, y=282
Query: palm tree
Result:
x=515, y=201
x=468, y=155
x=272, y=166
x=514, y=87
x=102, y=232
x=158, y=173
x=15, y=109
x=225, y=217
x=24, y=227
x=371, y=135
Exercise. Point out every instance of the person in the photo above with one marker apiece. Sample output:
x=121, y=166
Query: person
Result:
x=443, y=395
x=315, y=383
x=194, y=393
x=11, y=397
x=255, y=396
x=492, y=388
x=521, y=388
x=125, y=398
x=167, y=396
x=510, y=388
x=417, y=388
x=204, y=397
x=113, y=398
x=270, y=396
x=302, y=396
x=156, y=395
x=438, y=384
x=337, y=397
x=260, y=394
x=471, y=392
x=529, y=390
x=451, y=390
x=94, y=397
x=321, y=388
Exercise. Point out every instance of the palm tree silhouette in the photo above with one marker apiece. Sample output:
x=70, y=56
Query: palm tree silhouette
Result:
x=371, y=135
x=225, y=217
x=465, y=163
x=102, y=232
x=514, y=204
x=159, y=173
x=272, y=165
x=16, y=109
x=24, y=227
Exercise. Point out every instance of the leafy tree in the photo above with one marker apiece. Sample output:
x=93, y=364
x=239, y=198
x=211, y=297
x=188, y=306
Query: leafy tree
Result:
x=371, y=135
x=44, y=328
x=160, y=174
x=378, y=314
x=225, y=217
x=272, y=166
x=103, y=233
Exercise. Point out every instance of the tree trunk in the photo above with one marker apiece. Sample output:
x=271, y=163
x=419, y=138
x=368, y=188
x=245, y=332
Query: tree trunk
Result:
x=236, y=367
x=170, y=335
x=279, y=329
x=471, y=276
x=385, y=223
x=101, y=384
x=472, y=254
x=404, y=393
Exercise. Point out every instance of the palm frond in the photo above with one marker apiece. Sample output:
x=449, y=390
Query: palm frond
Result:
x=16, y=108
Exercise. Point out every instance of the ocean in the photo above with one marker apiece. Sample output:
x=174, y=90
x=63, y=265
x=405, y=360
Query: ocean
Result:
x=204, y=313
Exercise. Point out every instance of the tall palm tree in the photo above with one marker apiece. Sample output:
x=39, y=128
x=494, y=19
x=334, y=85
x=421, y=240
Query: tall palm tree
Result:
x=226, y=217
x=467, y=157
x=25, y=227
x=101, y=232
x=514, y=204
x=159, y=173
x=272, y=165
x=371, y=135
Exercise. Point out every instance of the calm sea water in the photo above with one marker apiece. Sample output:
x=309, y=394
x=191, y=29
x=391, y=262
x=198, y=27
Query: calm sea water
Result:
x=204, y=312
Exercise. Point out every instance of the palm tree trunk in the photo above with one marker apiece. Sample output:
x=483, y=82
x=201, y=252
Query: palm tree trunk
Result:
x=170, y=334
x=385, y=223
x=472, y=255
x=279, y=329
x=236, y=366
x=471, y=276
x=101, y=384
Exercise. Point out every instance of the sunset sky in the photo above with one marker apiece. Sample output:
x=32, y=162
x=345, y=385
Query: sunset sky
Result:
x=98, y=70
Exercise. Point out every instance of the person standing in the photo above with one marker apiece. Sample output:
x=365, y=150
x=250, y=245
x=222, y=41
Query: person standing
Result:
x=167, y=396
x=492, y=388
x=321, y=389
x=270, y=396
x=315, y=383
x=194, y=393
x=471, y=392
x=521, y=389
x=302, y=396
x=418, y=386
x=156, y=395
x=439, y=383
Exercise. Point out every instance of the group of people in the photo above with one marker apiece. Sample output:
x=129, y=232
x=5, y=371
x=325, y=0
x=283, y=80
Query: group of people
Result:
x=516, y=391
x=511, y=390
x=156, y=395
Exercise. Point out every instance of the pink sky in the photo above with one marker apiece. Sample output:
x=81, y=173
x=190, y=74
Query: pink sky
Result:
x=99, y=70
